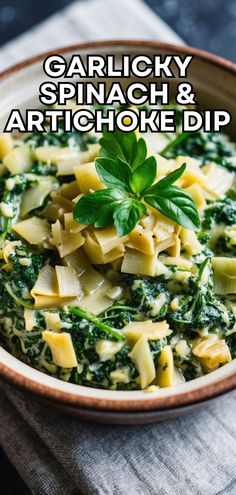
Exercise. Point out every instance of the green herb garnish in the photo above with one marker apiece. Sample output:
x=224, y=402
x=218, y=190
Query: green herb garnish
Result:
x=98, y=323
x=18, y=300
x=129, y=175
x=173, y=144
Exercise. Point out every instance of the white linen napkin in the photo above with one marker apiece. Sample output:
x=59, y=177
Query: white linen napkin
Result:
x=89, y=20
x=57, y=455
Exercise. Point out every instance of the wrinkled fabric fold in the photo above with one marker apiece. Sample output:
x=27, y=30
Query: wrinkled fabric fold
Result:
x=29, y=454
x=191, y=455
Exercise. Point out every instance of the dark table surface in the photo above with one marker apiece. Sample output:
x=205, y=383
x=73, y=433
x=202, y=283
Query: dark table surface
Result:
x=207, y=24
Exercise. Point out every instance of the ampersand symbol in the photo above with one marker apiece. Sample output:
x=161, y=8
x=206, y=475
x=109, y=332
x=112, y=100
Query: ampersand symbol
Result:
x=185, y=95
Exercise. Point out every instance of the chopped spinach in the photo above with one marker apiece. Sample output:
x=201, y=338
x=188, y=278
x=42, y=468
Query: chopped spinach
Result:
x=220, y=211
x=231, y=342
x=40, y=168
x=197, y=310
x=206, y=147
x=61, y=138
x=26, y=274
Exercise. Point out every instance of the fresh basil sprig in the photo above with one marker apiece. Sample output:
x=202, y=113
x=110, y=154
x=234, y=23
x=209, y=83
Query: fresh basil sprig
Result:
x=124, y=168
x=124, y=145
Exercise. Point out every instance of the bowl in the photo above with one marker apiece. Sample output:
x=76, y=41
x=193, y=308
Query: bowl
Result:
x=214, y=80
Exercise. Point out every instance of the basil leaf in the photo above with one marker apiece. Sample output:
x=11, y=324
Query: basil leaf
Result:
x=179, y=139
x=128, y=174
x=119, y=144
x=126, y=215
x=176, y=204
x=124, y=146
x=114, y=172
x=97, y=208
x=168, y=180
x=141, y=153
x=143, y=176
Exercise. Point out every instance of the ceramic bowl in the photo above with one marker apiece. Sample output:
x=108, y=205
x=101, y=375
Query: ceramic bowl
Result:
x=214, y=80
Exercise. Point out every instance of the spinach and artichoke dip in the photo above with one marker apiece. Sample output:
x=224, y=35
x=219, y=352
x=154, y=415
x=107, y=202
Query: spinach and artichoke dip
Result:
x=118, y=265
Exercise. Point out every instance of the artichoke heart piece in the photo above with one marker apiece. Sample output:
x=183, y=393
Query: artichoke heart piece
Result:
x=42, y=302
x=53, y=154
x=90, y=154
x=193, y=173
x=165, y=371
x=142, y=240
x=30, y=319
x=90, y=279
x=87, y=177
x=224, y=275
x=108, y=239
x=94, y=251
x=190, y=242
x=94, y=285
x=71, y=225
x=57, y=207
x=34, y=196
x=120, y=375
x=180, y=262
x=212, y=353
x=46, y=283
x=198, y=196
x=18, y=160
x=53, y=321
x=69, y=190
x=152, y=331
x=68, y=281
x=175, y=249
x=106, y=349
x=96, y=301
x=142, y=357
x=69, y=242
x=219, y=180
x=6, y=144
x=135, y=262
x=34, y=230
x=61, y=347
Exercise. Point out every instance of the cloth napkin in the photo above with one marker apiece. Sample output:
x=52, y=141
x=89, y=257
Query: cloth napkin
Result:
x=89, y=20
x=56, y=455
x=194, y=454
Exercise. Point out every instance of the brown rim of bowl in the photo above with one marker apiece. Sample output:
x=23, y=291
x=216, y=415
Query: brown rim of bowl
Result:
x=201, y=54
x=187, y=398
x=158, y=403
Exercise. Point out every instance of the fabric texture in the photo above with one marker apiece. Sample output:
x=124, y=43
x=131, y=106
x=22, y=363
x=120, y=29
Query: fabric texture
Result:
x=56, y=455
x=86, y=21
x=194, y=454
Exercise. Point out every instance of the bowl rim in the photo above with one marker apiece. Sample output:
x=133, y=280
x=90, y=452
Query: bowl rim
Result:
x=181, y=399
x=201, y=394
x=135, y=43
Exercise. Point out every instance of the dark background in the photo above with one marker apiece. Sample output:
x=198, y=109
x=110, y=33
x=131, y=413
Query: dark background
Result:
x=207, y=24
